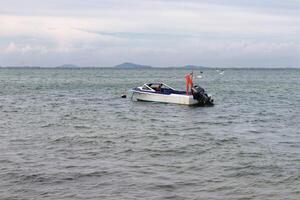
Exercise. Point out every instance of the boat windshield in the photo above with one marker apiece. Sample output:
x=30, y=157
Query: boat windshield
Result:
x=155, y=86
x=145, y=87
x=158, y=86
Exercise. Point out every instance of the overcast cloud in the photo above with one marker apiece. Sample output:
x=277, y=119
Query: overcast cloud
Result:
x=232, y=33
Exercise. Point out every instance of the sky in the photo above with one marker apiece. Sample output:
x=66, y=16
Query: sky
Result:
x=215, y=33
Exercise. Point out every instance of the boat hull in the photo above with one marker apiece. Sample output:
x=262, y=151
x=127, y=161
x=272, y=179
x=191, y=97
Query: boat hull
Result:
x=171, y=98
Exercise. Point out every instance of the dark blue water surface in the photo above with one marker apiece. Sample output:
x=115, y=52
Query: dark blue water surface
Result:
x=67, y=134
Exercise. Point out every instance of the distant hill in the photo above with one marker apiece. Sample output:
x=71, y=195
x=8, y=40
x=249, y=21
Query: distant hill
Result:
x=193, y=67
x=67, y=66
x=132, y=66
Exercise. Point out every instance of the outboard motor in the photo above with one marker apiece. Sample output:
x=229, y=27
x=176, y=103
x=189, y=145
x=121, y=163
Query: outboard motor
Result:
x=200, y=95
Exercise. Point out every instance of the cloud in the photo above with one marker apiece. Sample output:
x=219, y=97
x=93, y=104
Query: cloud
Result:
x=151, y=32
x=13, y=48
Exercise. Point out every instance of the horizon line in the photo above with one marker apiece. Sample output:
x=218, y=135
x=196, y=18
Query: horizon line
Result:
x=132, y=68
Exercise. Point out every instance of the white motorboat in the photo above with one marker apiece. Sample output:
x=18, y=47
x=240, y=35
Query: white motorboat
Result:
x=161, y=92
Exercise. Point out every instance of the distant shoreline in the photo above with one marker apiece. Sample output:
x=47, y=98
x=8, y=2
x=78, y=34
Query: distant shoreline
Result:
x=151, y=68
x=134, y=66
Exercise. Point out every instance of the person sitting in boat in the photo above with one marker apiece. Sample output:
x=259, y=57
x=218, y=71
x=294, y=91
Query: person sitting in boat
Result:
x=159, y=87
x=189, y=82
x=156, y=87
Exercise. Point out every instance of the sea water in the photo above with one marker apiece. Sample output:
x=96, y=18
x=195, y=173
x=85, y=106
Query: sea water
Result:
x=67, y=134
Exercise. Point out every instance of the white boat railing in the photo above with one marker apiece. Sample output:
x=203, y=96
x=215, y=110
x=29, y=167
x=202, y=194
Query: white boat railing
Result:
x=148, y=87
x=168, y=86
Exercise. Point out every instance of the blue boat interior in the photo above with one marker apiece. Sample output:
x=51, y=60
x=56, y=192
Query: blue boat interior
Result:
x=170, y=91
